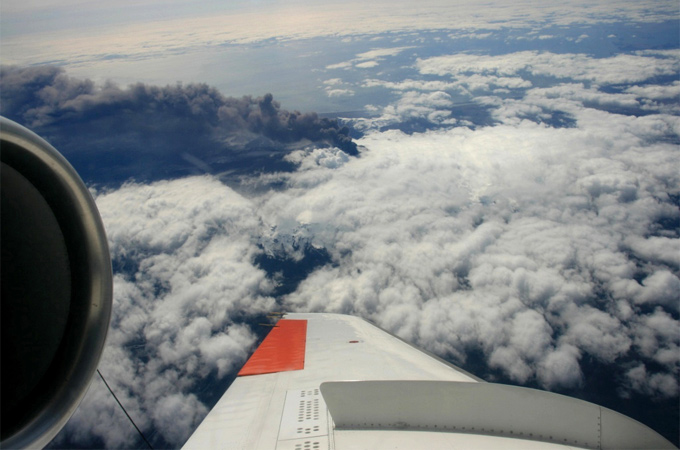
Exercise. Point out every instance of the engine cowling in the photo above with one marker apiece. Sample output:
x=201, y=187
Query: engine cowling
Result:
x=56, y=288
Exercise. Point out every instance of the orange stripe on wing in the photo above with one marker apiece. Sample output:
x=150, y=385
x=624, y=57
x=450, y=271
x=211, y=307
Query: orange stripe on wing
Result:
x=283, y=349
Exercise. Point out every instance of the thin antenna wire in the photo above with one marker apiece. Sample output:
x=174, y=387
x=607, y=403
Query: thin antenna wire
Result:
x=121, y=407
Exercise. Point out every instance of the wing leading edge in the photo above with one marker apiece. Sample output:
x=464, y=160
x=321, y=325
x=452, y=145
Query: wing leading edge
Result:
x=328, y=381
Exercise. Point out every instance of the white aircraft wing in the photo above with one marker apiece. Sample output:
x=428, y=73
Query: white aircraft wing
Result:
x=328, y=381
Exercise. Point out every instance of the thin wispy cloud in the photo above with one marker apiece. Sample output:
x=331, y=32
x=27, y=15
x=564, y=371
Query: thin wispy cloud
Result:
x=102, y=40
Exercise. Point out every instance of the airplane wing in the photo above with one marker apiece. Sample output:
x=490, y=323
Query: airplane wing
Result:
x=329, y=381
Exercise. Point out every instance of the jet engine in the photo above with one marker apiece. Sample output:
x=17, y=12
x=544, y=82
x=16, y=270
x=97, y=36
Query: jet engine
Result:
x=56, y=288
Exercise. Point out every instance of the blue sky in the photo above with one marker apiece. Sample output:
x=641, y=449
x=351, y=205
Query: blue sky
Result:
x=513, y=207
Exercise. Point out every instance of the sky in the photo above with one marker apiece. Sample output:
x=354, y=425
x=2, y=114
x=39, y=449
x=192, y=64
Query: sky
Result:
x=497, y=183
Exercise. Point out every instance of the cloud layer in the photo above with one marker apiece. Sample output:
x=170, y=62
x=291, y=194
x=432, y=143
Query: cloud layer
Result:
x=539, y=244
x=514, y=240
x=107, y=39
x=546, y=243
x=536, y=246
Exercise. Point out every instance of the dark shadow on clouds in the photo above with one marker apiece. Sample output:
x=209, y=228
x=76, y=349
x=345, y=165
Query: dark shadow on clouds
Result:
x=147, y=133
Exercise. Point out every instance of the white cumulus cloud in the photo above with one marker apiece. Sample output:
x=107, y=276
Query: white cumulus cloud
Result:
x=513, y=239
x=188, y=247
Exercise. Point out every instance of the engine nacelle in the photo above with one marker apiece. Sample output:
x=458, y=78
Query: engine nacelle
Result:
x=56, y=288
